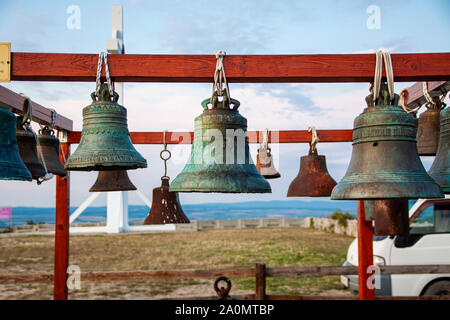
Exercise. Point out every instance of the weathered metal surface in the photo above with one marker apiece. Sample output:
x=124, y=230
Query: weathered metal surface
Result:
x=391, y=217
x=223, y=292
x=112, y=180
x=384, y=162
x=220, y=158
x=440, y=169
x=166, y=207
x=50, y=149
x=11, y=165
x=264, y=164
x=105, y=141
x=26, y=142
x=313, y=179
x=428, y=130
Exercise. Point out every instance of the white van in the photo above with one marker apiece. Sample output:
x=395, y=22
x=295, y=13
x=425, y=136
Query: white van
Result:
x=428, y=243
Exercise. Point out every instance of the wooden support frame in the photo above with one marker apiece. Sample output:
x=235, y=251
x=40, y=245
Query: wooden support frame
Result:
x=365, y=253
x=240, y=68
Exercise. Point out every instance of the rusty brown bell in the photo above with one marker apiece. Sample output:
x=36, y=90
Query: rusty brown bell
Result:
x=313, y=179
x=112, y=180
x=264, y=164
x=166, y=207
x=26, y=142
x=50, y=151
x=428, y=131
x=391, y=216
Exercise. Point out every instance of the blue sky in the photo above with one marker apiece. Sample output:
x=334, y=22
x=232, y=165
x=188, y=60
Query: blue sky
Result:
x=201, y=27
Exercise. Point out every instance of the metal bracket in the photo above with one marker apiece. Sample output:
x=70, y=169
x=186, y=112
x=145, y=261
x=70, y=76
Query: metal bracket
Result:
x=5, y=62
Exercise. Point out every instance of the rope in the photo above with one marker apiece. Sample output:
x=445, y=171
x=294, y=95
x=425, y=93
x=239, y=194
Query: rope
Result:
x=165, y=176
x=265, y=141
x=314, y=139
x=101, y=56
x=401, y=102
x=426, y=94
x=386, y=56
x=219, y=76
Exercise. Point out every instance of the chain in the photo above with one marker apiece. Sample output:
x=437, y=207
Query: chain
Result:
x=169, y=155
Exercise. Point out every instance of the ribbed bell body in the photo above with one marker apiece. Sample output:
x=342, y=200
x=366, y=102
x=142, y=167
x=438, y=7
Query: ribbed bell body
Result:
x=391, y=217
x=313, y=179
x=50, y=150
x=264, y=164
x=28, y=151
x=220, y=159
x=11, y=164
x=166, y=207
x=112, y=180
x=384, y=162
x=428, y=132
x=105, y=141
x=440, y=169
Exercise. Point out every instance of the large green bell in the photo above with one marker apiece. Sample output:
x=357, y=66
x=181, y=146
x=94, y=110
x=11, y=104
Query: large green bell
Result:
x=11, y=164
x=440, y=169
x=220, y=158
x=105, y=141
x=385, y=163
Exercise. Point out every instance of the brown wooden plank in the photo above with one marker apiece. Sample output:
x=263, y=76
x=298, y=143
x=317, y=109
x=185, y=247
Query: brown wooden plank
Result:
x=415, y=92
x=42, y=115
x=286, y=136
x=260, y=281
x=60, y=291
x=239, y=68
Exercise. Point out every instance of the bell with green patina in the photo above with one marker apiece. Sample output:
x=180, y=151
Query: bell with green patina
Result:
x=384, y=162
x=105, y=141
x=220, y=158
x=440, y=169
x=11, y=164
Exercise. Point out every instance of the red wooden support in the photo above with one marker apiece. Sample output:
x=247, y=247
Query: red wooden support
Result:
x=240, y=68
x=365, y=253
x=62, y=233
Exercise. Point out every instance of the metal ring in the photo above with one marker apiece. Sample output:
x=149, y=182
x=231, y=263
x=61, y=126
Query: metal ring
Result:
x=223, y=291
x=161, y=155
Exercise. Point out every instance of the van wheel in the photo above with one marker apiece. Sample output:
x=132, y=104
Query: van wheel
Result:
x=439, y=288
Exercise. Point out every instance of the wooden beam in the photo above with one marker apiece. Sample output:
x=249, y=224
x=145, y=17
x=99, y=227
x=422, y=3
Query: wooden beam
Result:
x=42, y=115
x=415, y=96
x=60, y=291
x=239, y=68
x=286, y=136
x=365, y=253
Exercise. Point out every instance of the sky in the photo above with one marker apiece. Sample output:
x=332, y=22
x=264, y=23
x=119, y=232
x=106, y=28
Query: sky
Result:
x=202, y=27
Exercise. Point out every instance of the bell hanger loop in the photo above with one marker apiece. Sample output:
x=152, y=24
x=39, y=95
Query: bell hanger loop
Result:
x=220, y=78
x=165, y=155
x=314, y=140
x=265, y=140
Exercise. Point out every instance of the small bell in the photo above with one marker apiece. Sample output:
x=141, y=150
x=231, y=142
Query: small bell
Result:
x=440, y=169
x=166, y=207
x=391, y=217
x=384, y=162
x=26, y=140
x=50, y=151
x=264, y=160
x=112, y=180
x=313, y=179
x=428, y=129
x=11, y=164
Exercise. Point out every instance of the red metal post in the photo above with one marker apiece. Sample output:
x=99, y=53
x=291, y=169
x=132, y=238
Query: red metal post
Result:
x=62, y=233
x=365, y=253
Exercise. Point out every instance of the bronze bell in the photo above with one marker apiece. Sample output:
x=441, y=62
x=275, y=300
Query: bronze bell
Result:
x=112, y=180
x=440, y=169
x=384, y=162
x=264, y=160
x=105, y=141
x=428, y=130
x=391, y=217
x=11, y=165
x=26, y=140
x=166, y=207
x=313, y=179
x=50, y=150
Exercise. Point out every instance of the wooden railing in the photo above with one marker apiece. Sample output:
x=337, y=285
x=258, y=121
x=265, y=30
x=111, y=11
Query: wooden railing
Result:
x=259, y=272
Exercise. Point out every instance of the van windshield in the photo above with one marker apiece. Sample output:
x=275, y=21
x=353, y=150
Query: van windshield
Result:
x=434, y=219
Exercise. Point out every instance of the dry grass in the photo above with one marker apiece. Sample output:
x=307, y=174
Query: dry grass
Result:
x=200, y=250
